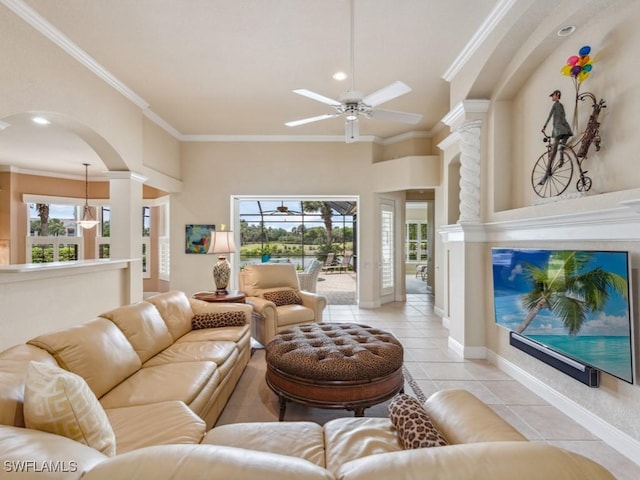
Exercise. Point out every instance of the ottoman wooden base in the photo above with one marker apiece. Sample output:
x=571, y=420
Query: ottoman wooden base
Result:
x=337, y=366
x=351, y=395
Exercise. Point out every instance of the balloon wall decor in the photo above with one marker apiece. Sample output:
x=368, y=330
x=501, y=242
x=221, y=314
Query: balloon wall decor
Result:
x=579, y=66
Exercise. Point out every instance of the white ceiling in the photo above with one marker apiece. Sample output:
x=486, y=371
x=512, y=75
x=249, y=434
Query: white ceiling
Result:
x=228, y=67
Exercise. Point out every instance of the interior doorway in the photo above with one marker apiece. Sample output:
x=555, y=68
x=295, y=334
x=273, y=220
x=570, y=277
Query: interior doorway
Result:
x=419, y=233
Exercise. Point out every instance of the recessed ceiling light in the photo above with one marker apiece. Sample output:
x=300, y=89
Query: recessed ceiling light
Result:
x=40, y=121
x=339, y=76
x=566, y=30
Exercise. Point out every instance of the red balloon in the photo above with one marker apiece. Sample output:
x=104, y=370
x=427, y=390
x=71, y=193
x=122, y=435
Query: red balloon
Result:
x=572, y=60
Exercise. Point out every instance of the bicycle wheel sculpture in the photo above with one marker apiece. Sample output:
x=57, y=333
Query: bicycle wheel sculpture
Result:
x=552, y=180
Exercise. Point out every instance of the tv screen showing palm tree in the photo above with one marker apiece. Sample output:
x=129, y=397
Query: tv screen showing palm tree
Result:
x=575, y=302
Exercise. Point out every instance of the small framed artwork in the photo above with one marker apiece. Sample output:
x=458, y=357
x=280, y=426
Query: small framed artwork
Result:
x=197, y=238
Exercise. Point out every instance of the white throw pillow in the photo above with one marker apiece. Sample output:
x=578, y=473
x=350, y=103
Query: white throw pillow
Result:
x=58, y=401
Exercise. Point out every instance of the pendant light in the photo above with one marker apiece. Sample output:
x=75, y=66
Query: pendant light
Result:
x=88, y=220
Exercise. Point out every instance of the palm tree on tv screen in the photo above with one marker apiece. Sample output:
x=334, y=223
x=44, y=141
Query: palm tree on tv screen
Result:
x=567, y=290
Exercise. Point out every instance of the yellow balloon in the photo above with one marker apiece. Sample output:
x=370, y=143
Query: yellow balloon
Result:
x=566, y=70
x=582, y=76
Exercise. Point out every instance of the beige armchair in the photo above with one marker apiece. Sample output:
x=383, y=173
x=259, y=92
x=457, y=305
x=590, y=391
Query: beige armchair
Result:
x=273, y=290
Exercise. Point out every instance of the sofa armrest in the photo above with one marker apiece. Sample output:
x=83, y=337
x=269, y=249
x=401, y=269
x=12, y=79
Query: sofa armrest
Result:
x=264, y=307
x=315, y=302
x=463, y=418
x=480, y=461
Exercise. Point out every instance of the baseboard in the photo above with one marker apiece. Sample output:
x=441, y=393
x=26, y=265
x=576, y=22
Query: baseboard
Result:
x=362, y=304
x=440, y=312
x=467, y=352
x=623, y=443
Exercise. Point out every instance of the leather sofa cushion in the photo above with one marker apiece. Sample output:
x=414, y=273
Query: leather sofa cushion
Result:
x=182, y=381
x=350, y=438
x=86, y=349
x=143, y=326
x=170, y=462
x=25, y=352
x=217, y=352
x=221, y=334
x=20, y=445
x=175, y=309
x=297, y=439
x=13, y=367
x=137, y=427
x=474, y=420
x=294, y=315
x=256, y=278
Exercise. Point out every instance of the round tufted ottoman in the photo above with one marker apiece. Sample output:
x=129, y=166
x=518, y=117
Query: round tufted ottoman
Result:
x=334, y=365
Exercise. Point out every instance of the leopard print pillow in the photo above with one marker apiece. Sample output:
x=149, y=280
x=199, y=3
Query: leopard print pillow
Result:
x=217, y=319
x=283, y=297
x=415, y=429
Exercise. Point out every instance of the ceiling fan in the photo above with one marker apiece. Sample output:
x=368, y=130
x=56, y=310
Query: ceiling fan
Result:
x=353, y=104
x=280, y=209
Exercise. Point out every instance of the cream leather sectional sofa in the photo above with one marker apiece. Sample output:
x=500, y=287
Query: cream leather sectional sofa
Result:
x=158, y=380
x=162, y=386
x=481, y=447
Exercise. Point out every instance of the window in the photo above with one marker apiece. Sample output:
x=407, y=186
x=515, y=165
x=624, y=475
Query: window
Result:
x=295, y=230
x=53, y=233
x=416, y=242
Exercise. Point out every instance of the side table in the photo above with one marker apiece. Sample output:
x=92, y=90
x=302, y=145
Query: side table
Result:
x=234, y=296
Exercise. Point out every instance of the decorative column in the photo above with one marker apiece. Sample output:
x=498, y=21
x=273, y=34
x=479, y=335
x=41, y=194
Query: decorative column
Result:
x=125, y=192
x=470, y=171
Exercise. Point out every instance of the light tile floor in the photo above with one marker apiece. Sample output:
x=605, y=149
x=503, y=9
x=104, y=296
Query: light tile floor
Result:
x=434, y=366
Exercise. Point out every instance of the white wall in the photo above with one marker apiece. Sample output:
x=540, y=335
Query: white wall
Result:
x=520, y=106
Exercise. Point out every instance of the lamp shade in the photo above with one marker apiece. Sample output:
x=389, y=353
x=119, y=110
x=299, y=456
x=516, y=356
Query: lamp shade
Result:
x=222, y=242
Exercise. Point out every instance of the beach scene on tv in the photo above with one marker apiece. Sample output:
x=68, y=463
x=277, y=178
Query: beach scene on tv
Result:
x=575, y=302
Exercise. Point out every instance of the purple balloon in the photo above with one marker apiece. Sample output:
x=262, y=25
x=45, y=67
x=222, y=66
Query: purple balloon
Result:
x=575, y=70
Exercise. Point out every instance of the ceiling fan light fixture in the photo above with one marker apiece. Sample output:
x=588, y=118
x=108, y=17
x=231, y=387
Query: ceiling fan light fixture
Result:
x=353, y=104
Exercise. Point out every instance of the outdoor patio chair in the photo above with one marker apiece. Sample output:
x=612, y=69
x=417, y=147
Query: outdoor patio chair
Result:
x=329, y=262
x=344, y=264
x=309, y=276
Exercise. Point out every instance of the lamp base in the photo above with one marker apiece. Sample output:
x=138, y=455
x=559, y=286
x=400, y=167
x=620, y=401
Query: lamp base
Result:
x=221, y=275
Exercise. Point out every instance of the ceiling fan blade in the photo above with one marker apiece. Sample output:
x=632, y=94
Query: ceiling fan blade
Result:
x=295, y=123
x=351, y=131
x=316, y=96
x=393, y=116
x=386, y=93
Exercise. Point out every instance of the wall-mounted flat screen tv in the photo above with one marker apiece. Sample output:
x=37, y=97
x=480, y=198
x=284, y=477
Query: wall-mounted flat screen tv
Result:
x=576, y=302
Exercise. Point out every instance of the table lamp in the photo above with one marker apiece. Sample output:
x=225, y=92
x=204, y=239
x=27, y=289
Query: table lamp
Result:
x=222, y=243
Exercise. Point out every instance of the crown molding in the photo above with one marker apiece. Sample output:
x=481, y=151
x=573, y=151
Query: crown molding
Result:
x=30, y=16
x=487, y=27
